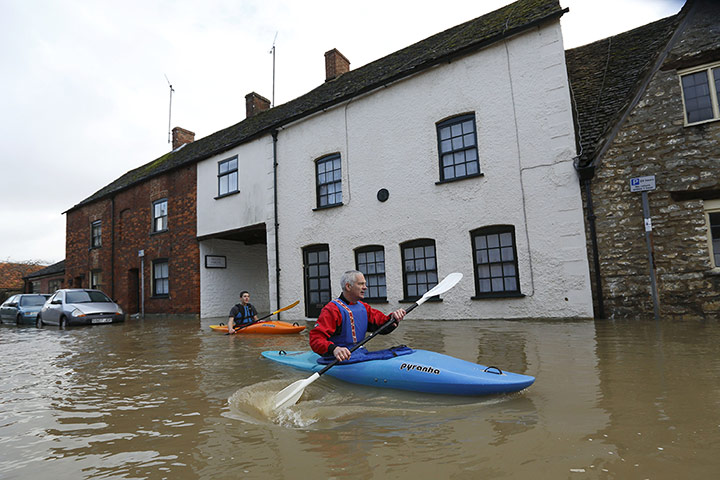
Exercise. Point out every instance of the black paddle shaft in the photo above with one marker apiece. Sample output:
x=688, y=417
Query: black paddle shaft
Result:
x=360, y=344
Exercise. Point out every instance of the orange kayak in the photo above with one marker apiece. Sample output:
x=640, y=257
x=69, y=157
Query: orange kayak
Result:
x=272, y=327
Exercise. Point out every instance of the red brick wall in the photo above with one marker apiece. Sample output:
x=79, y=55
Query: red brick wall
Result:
x=127, y=225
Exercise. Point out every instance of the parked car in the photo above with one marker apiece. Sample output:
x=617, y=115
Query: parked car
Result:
x=22, y=308
x=78, y=306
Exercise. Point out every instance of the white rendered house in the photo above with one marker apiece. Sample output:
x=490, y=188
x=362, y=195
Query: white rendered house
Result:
x=454, y=154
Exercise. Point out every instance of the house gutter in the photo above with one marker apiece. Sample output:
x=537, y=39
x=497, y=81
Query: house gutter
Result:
x=275, y=208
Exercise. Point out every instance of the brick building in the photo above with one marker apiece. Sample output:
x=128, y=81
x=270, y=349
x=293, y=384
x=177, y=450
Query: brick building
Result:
x=135, y=238
x=46, y=280
x=647, y=105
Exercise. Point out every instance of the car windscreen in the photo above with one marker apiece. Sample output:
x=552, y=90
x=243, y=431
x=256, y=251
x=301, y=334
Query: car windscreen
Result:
x=86, y=297
x=32, y=301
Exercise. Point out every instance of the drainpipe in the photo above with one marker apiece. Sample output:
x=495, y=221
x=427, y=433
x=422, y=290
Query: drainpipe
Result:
x=277, y=244
x=112, y=248
x=586, y=175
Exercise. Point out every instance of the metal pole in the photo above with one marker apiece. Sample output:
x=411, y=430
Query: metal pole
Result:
x=142, y=287
x=648, y=240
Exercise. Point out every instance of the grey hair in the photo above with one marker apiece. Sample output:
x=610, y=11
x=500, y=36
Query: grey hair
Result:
x=349, y=277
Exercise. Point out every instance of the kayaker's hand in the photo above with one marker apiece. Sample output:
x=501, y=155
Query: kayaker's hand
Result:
x=341, y=353
x=231, y=330
x=398, y=314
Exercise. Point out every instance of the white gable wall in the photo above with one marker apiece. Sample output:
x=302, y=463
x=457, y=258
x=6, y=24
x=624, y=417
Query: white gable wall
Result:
x=247, y=265
x=387, y=139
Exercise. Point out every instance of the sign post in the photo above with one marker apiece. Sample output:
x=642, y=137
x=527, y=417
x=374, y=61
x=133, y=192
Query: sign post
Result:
x=644, y=185
x=141, y=254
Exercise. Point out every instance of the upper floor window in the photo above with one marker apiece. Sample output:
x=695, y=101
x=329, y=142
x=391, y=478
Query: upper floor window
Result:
x=495, y=261
x=419, y=267
x=457, y=148
x=227, y=176
x=329, y=181
x=161, y=278
x=371, y=262
x=712, y=210
x=96, y=234
x=160, y=215
x=700, y=90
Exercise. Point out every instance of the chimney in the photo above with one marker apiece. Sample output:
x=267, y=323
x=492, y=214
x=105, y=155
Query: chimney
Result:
x=180, y=137
x=335, y=64
x=255, y=104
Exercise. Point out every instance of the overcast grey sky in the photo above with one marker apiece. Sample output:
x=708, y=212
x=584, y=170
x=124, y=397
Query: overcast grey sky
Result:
x=85, y=98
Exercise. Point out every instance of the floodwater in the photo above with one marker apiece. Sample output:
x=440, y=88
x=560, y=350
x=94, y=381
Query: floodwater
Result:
x=169, y=398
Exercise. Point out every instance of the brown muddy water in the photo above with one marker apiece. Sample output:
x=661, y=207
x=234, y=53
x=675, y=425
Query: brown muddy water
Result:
x=168, y=398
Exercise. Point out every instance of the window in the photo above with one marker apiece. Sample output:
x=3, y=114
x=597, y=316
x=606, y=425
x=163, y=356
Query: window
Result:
x=371, y=262
x=457, y=148
x=329, y=181
x=161, y=278
x=316, y=265
x=96, y=279
x=712, y=210
x=495, y=261
x=227, y=176
x=700, y=90
x=54, y=285
x=160, y=215
x=419, y=268
x=96, y=234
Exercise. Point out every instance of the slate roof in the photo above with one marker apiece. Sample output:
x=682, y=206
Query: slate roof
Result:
x=606, y=75
x=54, y=269
x=442, y=47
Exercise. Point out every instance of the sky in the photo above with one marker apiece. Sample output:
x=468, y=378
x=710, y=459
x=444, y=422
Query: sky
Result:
x=84, y=84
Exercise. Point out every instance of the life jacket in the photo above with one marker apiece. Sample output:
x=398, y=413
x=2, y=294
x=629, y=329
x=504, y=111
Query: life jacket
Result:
x=244, y=314
x=354, y=324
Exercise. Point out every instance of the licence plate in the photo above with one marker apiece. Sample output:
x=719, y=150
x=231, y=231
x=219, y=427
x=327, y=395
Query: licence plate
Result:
x=102, y=320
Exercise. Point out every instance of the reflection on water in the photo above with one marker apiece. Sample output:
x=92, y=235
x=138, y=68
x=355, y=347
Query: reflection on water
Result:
x=171, y=399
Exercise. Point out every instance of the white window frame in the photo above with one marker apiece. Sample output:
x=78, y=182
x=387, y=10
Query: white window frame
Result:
x=160, y=219
x=708, y=68
x=711, y=206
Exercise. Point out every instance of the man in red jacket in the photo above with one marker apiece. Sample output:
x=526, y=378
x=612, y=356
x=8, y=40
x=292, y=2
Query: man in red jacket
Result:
x=344, y=321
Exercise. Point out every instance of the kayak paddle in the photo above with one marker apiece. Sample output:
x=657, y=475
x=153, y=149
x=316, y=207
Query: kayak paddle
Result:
x=294, y=304
x=291, y=394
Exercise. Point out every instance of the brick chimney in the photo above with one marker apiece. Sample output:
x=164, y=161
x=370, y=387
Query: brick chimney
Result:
x=180, y=137
x=255, y=104
x=335, y=64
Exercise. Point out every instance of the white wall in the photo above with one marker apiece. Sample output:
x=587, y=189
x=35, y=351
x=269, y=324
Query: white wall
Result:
x=221, y=287
x=247, y=265
x=520, y=97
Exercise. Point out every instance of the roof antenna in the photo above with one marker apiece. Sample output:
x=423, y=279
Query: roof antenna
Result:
x=272, y=50
x=170, y=112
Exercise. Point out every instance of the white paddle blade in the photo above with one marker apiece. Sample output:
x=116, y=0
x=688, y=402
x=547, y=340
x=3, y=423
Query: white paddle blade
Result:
x=447, y=283
x=289, y=395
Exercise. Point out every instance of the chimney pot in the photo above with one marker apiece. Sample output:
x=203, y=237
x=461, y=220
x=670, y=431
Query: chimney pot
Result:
x=255, y=103
x=335, y=64
x=180, y=137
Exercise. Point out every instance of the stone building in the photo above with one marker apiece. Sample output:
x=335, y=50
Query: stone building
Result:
x=647, y=106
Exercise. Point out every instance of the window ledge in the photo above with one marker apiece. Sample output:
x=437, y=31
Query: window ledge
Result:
x=413, y=300
x=159, y=232
x=713, y=272
x=492, y=296
x=375, y=300
x=156, y=297
x=702, y=122
x=229, y=194
x=328, y=206
x=474, y=175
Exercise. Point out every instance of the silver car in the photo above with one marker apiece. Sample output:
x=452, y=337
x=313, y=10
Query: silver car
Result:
x=78, y=306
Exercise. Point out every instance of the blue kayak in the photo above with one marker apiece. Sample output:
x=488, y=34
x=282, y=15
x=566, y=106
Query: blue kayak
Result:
x=419, y=371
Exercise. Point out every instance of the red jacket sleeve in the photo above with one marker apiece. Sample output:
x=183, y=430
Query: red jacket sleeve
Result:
x=377, y=319
x=329, y=321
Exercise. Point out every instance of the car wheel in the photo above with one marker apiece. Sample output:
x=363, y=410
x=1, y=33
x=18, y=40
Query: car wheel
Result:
x=18, y=319
x=63, y=322
x=38, y=321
